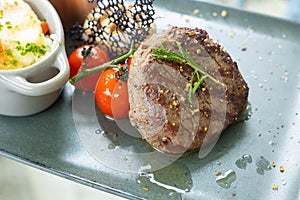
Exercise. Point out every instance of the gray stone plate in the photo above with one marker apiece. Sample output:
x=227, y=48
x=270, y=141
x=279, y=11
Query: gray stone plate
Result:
x=250, y=153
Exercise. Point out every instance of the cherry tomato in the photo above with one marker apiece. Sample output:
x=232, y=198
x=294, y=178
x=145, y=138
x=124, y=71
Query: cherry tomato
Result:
x=111, y=94
x=97, y=57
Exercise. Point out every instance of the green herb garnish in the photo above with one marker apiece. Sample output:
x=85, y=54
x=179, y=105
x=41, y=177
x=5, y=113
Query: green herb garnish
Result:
x=13, y=62
x=8, y=25
x=163, y=54
x=1, y=14
x=32, y=48
x=8, y=52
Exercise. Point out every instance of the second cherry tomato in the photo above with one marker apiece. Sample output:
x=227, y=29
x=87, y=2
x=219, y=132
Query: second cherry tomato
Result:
x=111, y=94
x=96, y=58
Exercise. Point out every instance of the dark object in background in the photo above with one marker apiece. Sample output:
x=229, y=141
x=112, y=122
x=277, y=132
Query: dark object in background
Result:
x=72, y=11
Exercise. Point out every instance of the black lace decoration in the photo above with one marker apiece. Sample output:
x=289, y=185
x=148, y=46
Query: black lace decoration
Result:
x=114, y=25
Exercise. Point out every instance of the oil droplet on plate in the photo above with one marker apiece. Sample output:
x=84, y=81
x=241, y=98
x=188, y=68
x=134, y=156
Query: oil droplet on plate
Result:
x=242, y=162
x=99, y=131
x=176, y=178
x=262, y=165
x=111, y=146
x=171, y=194
x=227, y=179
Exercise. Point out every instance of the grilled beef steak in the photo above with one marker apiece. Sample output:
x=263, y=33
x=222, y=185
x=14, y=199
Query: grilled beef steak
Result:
x=159, y=91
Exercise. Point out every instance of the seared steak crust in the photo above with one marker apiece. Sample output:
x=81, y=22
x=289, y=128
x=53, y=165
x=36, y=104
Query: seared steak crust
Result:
x=158, y=92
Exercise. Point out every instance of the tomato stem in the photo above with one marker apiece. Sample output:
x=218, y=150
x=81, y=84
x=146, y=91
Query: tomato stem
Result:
x=111, y=64
x=123, y=72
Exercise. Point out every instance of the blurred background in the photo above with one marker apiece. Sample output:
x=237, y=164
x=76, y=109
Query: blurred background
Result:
x=21, y=182
x=288, y=9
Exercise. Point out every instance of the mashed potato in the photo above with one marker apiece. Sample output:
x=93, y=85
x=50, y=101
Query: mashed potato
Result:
x=22, y=41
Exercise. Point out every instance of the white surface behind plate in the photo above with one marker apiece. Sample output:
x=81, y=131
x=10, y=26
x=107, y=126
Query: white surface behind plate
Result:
x=22, y=182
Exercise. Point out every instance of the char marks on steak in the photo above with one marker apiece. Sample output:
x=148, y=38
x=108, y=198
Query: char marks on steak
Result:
x=158, y=91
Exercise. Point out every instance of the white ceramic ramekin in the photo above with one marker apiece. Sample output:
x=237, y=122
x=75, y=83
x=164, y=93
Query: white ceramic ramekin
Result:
x=34, y=88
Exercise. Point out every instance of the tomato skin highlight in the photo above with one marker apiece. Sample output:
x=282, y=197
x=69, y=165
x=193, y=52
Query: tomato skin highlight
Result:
x=76, y=58
x=111, y=94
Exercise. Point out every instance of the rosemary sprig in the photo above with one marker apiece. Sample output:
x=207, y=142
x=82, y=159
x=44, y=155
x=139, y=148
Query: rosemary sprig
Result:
x=195, y=85
x=111, y=64
x=163, y=54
